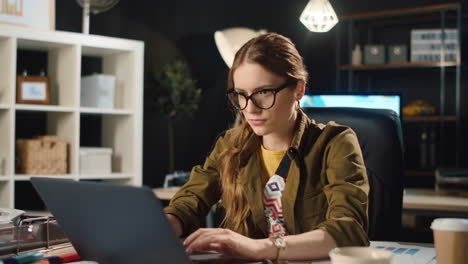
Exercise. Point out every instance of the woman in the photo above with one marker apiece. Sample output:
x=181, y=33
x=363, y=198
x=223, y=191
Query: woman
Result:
x=292, y=189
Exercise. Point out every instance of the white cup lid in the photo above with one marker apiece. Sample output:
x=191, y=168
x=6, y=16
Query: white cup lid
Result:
x=450, y=224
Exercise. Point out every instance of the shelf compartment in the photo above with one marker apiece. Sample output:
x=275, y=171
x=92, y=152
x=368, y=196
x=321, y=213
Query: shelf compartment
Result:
x=44, y=108
x=118, y=64
x=425, y=118
x=7, y=69
x=97, y=111
x=117, y=131
x=401, y=65
x=61, y=124
x=112, y=131
x=62, y=64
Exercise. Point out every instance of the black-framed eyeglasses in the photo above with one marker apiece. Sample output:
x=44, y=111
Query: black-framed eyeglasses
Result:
x=263, y=99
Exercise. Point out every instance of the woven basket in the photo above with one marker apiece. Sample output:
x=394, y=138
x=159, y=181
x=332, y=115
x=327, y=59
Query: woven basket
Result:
x=42, y=155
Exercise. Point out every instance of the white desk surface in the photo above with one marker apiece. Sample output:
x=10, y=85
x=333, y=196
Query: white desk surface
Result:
x=417, y=199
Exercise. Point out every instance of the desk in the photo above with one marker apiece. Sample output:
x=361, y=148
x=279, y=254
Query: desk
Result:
x=413, y=199
x=427, y=201
x=165, y=193
x=425, y=252
x=404, y=253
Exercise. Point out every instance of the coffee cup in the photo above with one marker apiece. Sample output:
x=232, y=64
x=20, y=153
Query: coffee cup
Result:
x=451, y=240
x=360, y=255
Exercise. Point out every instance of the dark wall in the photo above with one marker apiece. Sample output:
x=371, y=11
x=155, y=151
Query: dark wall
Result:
x=186, y=27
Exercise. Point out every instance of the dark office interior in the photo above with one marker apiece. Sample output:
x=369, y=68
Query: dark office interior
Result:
x=184, y=29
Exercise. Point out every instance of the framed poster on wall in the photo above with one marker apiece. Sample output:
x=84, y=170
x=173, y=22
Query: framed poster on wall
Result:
x=29, y=13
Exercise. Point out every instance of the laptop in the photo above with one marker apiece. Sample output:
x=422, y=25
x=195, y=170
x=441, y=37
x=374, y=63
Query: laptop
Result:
x=111, y=223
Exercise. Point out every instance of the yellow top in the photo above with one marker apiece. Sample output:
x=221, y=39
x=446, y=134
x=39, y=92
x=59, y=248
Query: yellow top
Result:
x=270, y=160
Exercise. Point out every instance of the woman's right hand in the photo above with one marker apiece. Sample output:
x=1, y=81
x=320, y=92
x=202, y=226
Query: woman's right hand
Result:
x=175, y=223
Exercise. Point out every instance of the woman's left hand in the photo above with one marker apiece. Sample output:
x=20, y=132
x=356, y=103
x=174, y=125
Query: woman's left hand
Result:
x=228, y=243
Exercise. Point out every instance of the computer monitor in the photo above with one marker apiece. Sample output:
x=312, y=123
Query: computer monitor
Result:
x=391, y=102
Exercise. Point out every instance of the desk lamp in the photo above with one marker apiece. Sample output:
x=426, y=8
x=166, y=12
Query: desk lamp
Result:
x=230, y=40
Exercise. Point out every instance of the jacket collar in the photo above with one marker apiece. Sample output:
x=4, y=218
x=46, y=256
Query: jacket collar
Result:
x=301, y=124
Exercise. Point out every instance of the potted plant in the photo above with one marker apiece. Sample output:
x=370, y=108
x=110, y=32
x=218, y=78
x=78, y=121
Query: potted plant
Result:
x=175, y=94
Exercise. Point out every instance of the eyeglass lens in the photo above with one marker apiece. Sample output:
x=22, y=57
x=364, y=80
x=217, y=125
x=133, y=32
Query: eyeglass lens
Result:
x=263, y=99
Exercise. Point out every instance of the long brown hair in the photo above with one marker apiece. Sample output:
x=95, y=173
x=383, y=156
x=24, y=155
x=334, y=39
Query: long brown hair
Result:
x=277, y=54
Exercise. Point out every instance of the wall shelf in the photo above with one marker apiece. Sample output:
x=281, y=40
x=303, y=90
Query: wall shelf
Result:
x=401, y=12
x=112, y=176
x=422, y=118
x=401, y=65
x=419, y=173
x=25, y=177
x=436, y=82
x=44, y=108
x=91, y=110
x=120, y=129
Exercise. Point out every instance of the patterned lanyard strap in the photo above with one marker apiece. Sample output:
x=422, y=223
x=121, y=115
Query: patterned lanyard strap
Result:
x=272, y=199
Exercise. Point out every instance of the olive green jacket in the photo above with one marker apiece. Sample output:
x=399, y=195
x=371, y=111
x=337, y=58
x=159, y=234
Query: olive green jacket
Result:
x=326, y=187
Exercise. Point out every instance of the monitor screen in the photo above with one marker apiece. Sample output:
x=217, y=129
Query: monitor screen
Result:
x=391, y=102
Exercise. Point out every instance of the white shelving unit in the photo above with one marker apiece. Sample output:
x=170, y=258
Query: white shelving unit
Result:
x=121, y=127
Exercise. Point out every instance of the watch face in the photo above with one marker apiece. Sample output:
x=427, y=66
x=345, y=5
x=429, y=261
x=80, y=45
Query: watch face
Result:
x=280, y=242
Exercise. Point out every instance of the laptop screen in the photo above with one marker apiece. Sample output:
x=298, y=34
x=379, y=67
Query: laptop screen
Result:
x=391, y=102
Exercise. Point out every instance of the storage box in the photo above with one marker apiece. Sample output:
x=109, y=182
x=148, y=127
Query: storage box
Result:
x=397, y=53
x=41, y=155
x=95, y=160
x=374, y=54
x=98, y=90
x=426, y=45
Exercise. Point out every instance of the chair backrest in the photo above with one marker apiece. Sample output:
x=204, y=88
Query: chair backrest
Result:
x=380, y=137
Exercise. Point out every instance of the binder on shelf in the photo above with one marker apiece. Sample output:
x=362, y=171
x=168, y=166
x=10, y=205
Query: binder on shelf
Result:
x=426, y=45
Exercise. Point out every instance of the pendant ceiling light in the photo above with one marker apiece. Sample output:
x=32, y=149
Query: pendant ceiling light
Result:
x=319, y=16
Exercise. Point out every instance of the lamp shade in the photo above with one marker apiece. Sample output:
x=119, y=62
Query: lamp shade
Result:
x=319, y=16
x=230, y=40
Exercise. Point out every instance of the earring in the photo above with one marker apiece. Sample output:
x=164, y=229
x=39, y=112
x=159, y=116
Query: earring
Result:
x=298, y=106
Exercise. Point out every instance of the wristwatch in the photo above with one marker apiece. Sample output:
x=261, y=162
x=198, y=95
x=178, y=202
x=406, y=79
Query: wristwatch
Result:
x=280, y=244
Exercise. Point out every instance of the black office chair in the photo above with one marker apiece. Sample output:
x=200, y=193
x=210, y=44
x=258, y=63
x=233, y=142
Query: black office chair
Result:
x=380, y=137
